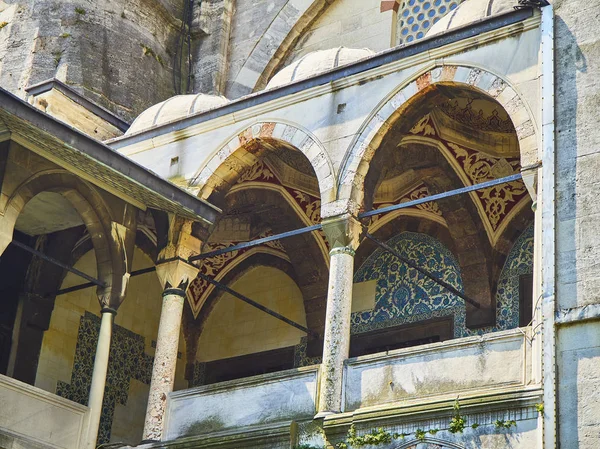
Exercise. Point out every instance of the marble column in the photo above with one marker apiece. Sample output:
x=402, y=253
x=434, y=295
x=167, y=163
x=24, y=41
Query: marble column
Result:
x=343, y=235
x=180, y=274
x=96, y=396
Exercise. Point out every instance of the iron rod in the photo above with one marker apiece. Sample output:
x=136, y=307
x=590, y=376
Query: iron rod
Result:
x=54, y=261
x=424, y=272
x=256, y=242
x=89, y=284
x=439, y=196
x=256, y=305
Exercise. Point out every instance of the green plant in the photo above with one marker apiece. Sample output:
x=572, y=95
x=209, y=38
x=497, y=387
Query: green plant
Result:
x=457, y=423
x=505, y=424
x=149, y=52
x=474, y=426
x=420, y=435
x=65, y=35
x=540, y=408
x=3, y=24
x=80, y=11
x=306, y=446
x=433, y=431
x=57, y=57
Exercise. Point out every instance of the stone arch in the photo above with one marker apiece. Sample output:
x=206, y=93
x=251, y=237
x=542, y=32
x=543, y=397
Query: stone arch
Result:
x=306, y=255
x=285, y=195
x=274, y=45
x=240, y=152
x=429, y=443
x=406, y=220
x=108, y=243
x=358, y=157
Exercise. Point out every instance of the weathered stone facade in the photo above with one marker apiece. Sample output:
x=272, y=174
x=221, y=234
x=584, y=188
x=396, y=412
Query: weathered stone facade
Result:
x=327, y=115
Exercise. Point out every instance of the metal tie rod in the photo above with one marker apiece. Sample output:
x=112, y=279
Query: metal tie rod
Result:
x=439, y=196
x=371, y=213
x=317, y=227
x=58, y=263
x=90, y=284
x=257, y=305
x=411, y=264
x=256, y=242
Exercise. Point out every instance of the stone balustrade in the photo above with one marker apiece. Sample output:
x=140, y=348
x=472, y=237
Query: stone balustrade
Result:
x=33, y=418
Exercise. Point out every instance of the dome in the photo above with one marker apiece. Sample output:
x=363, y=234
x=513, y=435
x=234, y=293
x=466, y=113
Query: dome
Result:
x=177, y=107
x=471, y=11
x=317, y=62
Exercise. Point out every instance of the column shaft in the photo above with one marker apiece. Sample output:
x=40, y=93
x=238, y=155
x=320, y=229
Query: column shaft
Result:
x=165, y=360
x=99, y=375
x=336, y=345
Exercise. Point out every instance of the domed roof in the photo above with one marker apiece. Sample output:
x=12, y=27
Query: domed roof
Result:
x=471, y=11
x=317, y=62
x=174, y=108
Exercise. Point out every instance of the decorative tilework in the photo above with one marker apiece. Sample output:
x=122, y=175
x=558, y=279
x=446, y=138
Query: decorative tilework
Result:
x=127, y=361
x=300, y=357
x=199, y=374
x=518, y=263
x=405, y=296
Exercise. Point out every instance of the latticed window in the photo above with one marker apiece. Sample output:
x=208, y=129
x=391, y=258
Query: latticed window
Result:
x=415, y=17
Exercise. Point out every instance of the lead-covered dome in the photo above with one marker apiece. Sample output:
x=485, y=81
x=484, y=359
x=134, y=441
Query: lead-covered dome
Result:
x=177, y=107
x=470, y=11
x=318, y=62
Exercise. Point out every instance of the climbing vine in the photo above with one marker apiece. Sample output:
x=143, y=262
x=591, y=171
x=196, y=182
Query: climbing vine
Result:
x=458, y=423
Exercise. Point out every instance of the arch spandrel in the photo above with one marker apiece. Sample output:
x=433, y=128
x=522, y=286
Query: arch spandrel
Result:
x=358, y=157
x=243, y=149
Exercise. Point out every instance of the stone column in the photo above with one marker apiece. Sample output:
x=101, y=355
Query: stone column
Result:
x=99, y=374
x=343, y=235
x=176, y=273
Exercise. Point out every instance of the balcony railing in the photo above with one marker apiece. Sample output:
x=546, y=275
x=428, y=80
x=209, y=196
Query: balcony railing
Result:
x=36, y=418
x=469, y=367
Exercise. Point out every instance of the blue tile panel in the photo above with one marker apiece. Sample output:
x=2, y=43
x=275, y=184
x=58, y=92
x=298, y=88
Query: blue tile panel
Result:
x=404, y=295
x=127, y=361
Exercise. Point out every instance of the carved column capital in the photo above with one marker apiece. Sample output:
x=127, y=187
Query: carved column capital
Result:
x=530, y=179
x=176, y=273
x=343, y=232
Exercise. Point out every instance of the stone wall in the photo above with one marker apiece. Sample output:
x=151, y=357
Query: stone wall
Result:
x=577, y=68
x=109, y=51
x=235, y=328
x=347, y=23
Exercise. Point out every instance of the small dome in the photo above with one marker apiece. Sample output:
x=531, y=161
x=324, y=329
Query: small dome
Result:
x=471, y=11
x=177, y=107
x=317, y=62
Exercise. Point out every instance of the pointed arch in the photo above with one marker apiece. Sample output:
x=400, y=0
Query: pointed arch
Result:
x=242, y=150
x=107, y=239
x=350, y=185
